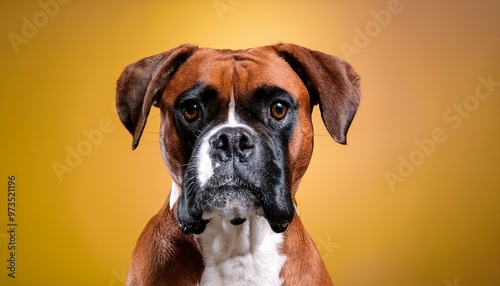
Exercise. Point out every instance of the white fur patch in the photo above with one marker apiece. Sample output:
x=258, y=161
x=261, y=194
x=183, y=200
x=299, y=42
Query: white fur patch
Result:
x=246, y=254
x=204, y=164
x=175, y=192
x=231, y=114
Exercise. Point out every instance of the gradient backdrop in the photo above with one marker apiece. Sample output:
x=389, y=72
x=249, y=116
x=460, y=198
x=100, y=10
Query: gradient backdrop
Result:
x=413, y=199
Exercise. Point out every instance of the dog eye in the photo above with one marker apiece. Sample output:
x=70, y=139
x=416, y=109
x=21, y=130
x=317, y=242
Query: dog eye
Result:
x=191, y=111
x=278, y=110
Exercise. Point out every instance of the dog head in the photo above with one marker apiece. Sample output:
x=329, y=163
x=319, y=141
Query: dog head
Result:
x=236, y=131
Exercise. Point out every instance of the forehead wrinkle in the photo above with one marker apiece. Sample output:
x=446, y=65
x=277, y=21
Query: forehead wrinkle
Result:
x=271, y=70
x=244, y=75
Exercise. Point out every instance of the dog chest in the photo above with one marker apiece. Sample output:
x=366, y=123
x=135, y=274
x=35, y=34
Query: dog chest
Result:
x=246, y=254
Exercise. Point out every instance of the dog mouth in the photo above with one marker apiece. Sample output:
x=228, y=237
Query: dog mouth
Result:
x=234, y=200
x=231, y=197
x=228, y=197
x=235, y=203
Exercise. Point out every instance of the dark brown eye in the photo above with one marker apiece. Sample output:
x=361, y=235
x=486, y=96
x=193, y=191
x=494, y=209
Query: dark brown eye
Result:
x=191, y=111
x=278, y=110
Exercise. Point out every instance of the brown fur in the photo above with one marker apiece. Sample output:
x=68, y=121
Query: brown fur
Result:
x=304, y=265
x=164, y=255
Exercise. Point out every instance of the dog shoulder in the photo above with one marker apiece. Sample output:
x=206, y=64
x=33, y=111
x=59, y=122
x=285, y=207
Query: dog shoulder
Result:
x=301, y=253
x=164, y=255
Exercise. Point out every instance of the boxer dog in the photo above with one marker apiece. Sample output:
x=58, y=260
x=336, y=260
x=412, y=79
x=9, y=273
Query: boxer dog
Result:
x=236, y=136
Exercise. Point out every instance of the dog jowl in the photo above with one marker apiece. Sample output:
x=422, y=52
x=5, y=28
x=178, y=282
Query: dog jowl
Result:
x=236, y=136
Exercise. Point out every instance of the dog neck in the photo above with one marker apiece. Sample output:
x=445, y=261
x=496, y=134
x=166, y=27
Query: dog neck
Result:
x=246, y=254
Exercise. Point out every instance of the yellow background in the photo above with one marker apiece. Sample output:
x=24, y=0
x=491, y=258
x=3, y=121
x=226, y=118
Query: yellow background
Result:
x=438, y=225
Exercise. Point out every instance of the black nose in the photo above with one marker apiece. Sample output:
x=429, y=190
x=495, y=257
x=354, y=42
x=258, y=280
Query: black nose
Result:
x=232, y=144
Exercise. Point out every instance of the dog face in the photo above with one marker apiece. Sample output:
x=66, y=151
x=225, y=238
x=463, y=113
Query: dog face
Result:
x=236, y=131
x=235, y=123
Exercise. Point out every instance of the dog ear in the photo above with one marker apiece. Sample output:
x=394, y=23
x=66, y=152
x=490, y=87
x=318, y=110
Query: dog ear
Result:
x=141, y=84
x=332, y=83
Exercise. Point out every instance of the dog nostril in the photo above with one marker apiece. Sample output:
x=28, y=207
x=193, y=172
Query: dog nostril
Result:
x=220, y=142
x=245, y=143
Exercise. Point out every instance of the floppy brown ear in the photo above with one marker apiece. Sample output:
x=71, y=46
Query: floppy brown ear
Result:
x=332, y=83
x=141, y=84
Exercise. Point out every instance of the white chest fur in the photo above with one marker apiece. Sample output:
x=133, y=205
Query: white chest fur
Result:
x=246, y=254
